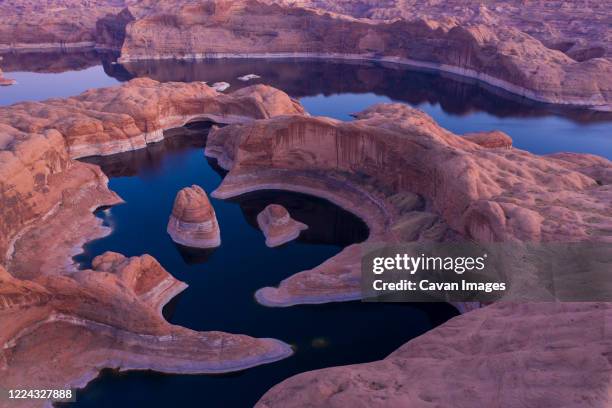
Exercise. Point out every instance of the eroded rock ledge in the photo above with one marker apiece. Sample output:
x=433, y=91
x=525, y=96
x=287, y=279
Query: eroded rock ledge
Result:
x=410, y=179
x=496, y=54
x=5, y=81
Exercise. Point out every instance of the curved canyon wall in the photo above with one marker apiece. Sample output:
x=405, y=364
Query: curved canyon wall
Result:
x=410, y=179
x=500, y=56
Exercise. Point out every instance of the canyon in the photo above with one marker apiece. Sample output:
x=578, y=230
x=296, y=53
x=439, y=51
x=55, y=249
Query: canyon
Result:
x=47, y=203
x=547, y=53
x=409, y=179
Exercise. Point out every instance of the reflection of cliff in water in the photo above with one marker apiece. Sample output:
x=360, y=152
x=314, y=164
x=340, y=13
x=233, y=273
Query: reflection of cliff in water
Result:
x=150, y=159
x=54, y=61
x=299, y=78
x=327, y=223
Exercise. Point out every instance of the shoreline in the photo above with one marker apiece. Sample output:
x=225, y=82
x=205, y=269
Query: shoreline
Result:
x=424, y=65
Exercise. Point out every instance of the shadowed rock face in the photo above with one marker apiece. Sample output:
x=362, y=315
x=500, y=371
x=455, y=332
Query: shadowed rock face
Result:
x=278, y=226
x=193, y=222
x=496, y=54
x=409, y=179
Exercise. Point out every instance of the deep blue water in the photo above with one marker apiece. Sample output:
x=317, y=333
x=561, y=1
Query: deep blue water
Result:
x=222, y=282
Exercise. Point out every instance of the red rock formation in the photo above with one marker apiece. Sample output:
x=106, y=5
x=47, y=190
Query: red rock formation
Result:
x=52, y=24
x=278, y=226
x=193, y=222
x=382, y=164
x=109, y=316
x=571, y=26
x=111, y=120
x=58, y=331
x=505, y=355
x=5, y=81
x=496, y=54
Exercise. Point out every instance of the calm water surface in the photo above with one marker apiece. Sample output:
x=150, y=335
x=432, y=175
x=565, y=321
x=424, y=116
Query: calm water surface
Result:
x=222, y=282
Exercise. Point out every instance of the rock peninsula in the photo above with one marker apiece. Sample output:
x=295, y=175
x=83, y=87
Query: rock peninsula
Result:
x=278, y=226
x=193, y=222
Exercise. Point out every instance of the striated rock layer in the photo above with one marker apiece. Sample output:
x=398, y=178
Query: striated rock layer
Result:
x=278, y=226
x=193, y=222
x=410, y=180
x=505, y=355
x=499, y=55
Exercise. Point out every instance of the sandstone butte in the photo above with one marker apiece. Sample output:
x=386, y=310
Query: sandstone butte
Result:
x=278, y=226
x=193, y=222
x=412, y=180
x=61, y=325
x=496, y=54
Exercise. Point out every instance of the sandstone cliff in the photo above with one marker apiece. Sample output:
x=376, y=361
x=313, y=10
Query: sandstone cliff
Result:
x=410, y=179
x=496, y=54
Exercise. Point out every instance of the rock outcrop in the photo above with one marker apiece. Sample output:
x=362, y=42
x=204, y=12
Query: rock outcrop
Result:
x=504, y=355
x=490, y=139
x=410, y=180
x=59, y=331
x=193, y=222
x=278, y=226
x=117, y=119
x=496, y=54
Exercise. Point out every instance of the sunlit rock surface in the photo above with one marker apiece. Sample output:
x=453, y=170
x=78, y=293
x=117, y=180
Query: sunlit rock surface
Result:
x=278, y=226
x=497, y=54
x=193, y=222
x=410, y=180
